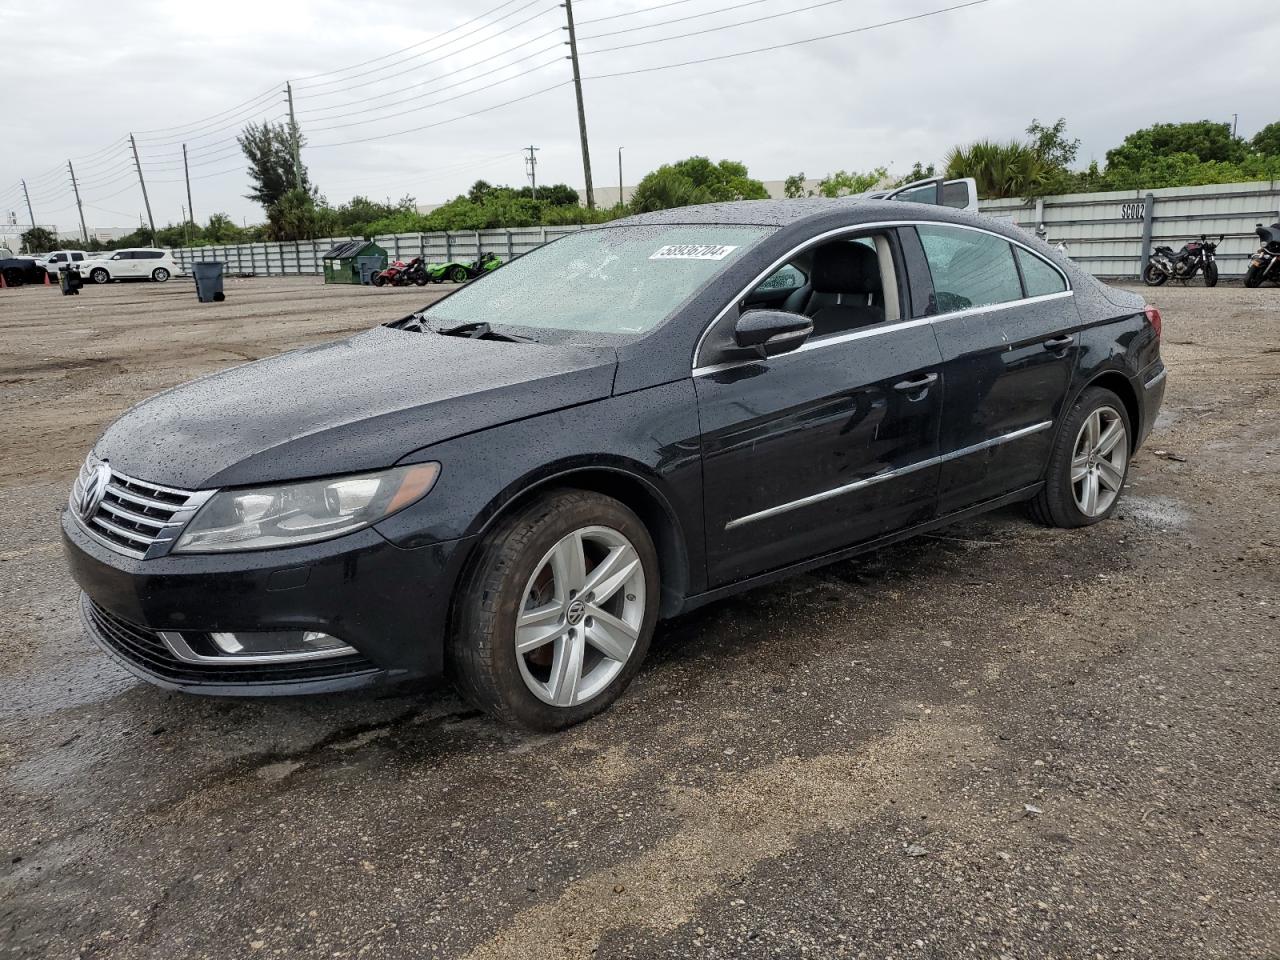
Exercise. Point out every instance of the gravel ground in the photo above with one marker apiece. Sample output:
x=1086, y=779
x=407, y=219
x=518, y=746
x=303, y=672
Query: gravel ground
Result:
x=997, y=741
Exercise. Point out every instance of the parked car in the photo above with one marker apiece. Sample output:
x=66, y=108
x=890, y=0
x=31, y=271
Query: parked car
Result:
x=19, y=270
x=457, y=271
x=142, y=263
x=55, y=261
x=516, y=482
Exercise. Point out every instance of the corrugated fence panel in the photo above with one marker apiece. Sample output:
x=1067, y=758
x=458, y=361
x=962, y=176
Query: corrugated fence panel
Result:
x=1103, y=232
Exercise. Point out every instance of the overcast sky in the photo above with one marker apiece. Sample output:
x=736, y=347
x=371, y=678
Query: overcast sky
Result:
x=76, y=84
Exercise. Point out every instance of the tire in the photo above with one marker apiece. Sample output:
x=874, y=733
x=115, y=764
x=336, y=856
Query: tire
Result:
x=1153, y=276
x=99, y=275
x=159, y=274
x=1253, y=277
x=378, y=280
x=14, y=278
x=458, y=274
x=514, y=571
x=1210, y=274
x=419, y=280
x=1063, y=501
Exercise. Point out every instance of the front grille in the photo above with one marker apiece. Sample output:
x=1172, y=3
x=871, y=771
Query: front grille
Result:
x=145, y=649
x=131, y=516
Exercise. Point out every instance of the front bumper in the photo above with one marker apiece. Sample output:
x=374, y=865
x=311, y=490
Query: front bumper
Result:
x=391, y=604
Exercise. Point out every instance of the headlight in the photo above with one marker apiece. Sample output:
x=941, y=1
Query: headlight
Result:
x=304, y=512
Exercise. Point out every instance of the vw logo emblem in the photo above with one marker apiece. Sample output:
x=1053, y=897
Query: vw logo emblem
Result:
x=577, y=610
x=95, y=487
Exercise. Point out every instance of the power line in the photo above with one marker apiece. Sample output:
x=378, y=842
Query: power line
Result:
x=780, y=46
x=213, y=116
x=692, y=16
x=634, y=13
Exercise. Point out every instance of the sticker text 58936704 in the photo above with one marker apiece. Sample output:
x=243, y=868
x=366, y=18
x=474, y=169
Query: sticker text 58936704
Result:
x=693, y=251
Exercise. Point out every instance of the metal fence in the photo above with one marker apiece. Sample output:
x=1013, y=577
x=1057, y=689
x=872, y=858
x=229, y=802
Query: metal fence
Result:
x=1104, y=232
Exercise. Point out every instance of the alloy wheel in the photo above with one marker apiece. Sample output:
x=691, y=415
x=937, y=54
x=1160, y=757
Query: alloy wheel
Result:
x=580, y=616
x=1098, y=461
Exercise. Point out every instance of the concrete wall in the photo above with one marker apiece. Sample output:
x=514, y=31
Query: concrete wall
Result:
x=1103, y=231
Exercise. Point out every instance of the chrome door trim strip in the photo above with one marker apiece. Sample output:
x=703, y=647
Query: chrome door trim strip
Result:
x=1157, y=379
x=880, y=225
x=886, y=328
x=888, y=475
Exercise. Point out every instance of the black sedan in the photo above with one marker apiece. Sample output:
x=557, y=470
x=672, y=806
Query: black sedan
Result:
x=513, y=485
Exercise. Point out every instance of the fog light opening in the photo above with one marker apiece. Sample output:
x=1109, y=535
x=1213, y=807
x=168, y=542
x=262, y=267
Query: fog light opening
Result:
x=273, y=646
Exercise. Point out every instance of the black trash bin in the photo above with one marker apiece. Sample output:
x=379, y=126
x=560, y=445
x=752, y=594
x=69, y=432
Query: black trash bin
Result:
x=208, y=274
x=70, y=281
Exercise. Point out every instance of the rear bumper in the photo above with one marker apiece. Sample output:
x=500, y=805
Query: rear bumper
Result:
x=391, y=604
x=1154, y=379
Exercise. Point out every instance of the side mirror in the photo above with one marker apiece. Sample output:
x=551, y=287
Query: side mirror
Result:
x=767, y=333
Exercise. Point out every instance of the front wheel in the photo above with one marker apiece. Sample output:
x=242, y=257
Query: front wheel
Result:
x=1153, y=276
x=1253, y=276
x=555, y=614
x=1210, y=274
x=99, y=275
x=458, y=274
x=1089, y=463
x=159, y=274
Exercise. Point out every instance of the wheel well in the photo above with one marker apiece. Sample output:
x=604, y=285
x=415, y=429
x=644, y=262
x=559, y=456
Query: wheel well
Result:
x=641, y=499
x=1119, y=384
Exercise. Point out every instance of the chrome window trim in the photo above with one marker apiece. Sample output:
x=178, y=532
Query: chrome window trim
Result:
x=888, y=475
x=858, y=228
x=179, y=647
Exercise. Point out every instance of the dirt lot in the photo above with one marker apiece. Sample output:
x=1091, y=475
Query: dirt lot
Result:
x=1000, y=741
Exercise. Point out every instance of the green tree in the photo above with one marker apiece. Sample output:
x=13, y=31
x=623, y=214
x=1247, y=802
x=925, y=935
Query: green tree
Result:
x=695, y=180
x=918, y=172
x=793, y=186
x=269, y=149
x=1008, y=169
x=843, y=183
x=1204, y=140
x=480, y=191
x=1051, y=144
x=1267, y=140
x=295, y=216
x=222, y=229
x=38, y=240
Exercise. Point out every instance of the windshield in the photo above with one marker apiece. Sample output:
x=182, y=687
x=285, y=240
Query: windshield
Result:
x=617, y=280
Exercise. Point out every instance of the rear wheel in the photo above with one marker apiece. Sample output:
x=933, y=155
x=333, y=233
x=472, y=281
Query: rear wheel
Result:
x=554, y=617
x=99, y=275
x=1089, y=463
x=378, y=280
x=14, y=278
x=1253, y=276
x=159, y=274
x=1153, y=276
x=458, y=274
x=1210, y=274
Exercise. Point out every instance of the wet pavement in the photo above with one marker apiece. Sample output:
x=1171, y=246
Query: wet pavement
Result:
x=995, y=741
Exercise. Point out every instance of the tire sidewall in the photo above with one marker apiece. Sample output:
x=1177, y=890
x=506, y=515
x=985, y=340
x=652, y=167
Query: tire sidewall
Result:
x=1211, y=274
x=1153, y=276
x=159, y=274
x=100, y=275
x=554, y=517
x=1059, y=498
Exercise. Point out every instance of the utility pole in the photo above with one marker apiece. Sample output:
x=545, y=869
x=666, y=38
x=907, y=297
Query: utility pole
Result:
x=186, y=233
x=531, y=162
x=1235, y=120
x=620, y=199
x=582, y=113
x=293, y=136
x=29, y=213
x=84, y=231
x=138, y=163
x=191, y=211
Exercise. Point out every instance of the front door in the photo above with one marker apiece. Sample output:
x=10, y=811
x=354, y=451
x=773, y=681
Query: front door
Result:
x=828, y=446
x=1009, y=331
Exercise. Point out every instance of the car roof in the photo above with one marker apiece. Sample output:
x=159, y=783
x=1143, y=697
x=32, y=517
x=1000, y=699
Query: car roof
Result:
x=784, y=213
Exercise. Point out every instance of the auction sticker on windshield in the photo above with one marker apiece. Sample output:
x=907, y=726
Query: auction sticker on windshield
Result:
x=693, y=251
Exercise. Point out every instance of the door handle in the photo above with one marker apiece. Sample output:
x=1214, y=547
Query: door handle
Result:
x=911, y=386
x=1059, y=343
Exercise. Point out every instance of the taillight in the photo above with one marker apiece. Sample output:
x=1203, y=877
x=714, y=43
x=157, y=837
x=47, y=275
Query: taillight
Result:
x=1153, y=315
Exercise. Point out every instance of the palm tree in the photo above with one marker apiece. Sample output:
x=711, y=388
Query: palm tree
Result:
x=1001, y=170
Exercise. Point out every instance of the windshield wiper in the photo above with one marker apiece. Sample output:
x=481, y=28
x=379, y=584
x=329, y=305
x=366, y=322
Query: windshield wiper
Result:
x=481, y=331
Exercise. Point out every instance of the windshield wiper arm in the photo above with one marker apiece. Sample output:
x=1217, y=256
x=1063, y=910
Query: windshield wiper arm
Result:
x=481, y=331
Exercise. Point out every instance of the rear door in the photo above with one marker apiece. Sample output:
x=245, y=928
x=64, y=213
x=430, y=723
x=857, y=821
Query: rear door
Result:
x=1008, y=330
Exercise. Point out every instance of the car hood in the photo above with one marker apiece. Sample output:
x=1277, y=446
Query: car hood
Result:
x=357, y=404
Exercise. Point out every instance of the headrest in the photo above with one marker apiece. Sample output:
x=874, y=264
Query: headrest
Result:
x=844, y=267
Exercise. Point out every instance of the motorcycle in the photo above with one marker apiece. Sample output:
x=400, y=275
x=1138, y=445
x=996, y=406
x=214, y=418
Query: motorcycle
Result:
x=1263, y=264
x=1194, y=256
x=401, y=274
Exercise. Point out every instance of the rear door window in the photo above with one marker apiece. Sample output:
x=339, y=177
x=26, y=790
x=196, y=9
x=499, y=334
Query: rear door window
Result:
x=969, y=268
x=1039, y=278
